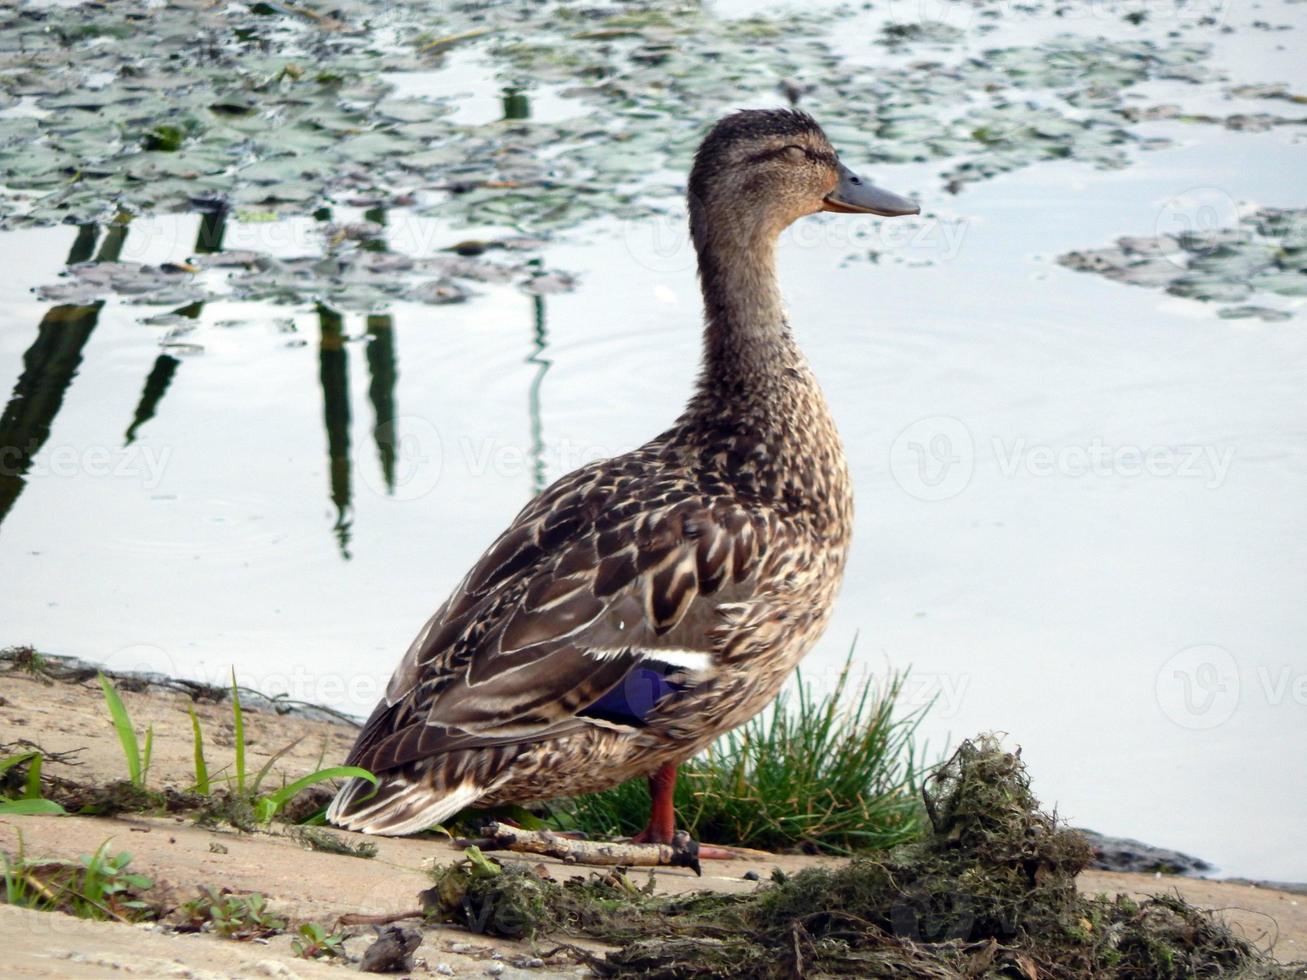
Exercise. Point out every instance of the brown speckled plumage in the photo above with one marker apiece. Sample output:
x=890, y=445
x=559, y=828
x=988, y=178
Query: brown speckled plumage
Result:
x=714, y=552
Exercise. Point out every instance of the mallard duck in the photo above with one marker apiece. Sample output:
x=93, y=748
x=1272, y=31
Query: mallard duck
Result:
x=645, y=604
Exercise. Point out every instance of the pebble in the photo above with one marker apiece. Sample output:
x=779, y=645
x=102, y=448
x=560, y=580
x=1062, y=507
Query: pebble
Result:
x=444, y=969
x=751, y=876
x=495, y=969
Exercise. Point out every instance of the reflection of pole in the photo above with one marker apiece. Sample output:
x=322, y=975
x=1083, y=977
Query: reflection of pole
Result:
x=84, y=246
x=208, y=239
x=516, y=104
x=213, y=229
x=334, y=374
x=377, y=215
x=381, y=392
x=115, y=235
x=540, y=342
x=213, y=226
x=49, y=366
x=156, y=386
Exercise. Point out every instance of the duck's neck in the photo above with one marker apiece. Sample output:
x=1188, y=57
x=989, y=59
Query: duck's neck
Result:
x=748, y=346
x=758, y=412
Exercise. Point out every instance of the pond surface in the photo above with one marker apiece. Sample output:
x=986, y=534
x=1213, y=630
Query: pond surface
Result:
x=1082, y=502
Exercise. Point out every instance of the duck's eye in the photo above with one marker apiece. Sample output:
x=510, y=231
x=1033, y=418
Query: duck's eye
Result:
x=795, y=150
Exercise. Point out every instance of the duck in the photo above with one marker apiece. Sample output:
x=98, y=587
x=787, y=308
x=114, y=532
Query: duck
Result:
x=644, y=605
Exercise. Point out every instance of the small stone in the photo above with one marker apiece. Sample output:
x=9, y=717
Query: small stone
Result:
x=444, y=969
x=751, y=876
x=392, y=952
x=495, y=969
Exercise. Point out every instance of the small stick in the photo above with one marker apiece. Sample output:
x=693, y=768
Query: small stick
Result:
x=682, y=852
x=364, y=919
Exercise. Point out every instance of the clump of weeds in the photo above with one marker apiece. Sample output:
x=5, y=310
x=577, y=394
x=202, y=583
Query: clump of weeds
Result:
x=229, y=915
x=238, y=797
x=95, y=886
x=987, y=891
x=314, y=942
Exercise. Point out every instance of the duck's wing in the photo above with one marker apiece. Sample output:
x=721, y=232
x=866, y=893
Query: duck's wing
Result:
x=599, y=582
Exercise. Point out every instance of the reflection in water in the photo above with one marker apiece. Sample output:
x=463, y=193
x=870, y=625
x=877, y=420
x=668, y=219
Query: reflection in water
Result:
x=115, y=236
x=156, y=385
x=84, y=246
x=540, y=342
x=52, y=361
x=333, y=370
x=381, y=392
x=377, y=215
x=213, y=229
x=49, y=366
x=516, y=104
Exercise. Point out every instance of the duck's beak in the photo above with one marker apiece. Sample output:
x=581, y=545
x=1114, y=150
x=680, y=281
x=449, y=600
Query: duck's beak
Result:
x=853, y=195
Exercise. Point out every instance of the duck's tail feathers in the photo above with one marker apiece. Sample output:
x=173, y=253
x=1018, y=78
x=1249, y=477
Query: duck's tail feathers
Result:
x=403, y=803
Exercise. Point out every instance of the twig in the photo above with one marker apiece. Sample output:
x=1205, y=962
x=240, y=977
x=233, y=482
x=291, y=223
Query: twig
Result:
x=682, y=852
x=364, y=919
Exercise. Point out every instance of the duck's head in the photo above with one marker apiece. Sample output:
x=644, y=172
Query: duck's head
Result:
x=758, y=170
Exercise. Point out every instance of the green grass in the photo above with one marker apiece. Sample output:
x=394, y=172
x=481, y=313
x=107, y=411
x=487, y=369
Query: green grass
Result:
x=96, y=886
x=238, y=721
x=835, y=773
x=138, y=760
x=29, y=801
x=242, y=787
x=313, y=942
x=241, y=917
x=202, y=785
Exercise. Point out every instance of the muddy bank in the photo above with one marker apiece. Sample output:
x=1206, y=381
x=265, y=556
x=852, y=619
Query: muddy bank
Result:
x=67, y=719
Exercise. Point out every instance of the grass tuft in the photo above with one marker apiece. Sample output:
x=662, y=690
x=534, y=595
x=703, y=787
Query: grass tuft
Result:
x=96, y=886
x=138, y=762
x=314, y=942
x=30, y=800
x=231, y=916
x=238, y=724
x=835, y=774
x=240, y=804
x=201, y=767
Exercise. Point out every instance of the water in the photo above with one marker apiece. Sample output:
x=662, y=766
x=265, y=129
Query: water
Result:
x=1080, y=504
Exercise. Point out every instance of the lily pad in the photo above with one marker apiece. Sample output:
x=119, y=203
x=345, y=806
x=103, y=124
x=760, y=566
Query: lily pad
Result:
x=285, y=111
x=1263, y=253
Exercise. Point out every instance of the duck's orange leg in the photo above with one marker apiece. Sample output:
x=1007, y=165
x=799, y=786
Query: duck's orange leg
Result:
x=662, y=816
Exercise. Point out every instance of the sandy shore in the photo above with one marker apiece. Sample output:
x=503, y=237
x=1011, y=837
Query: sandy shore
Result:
x=306, y=885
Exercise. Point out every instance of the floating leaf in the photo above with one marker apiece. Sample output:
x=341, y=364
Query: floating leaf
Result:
x=1263, y=252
